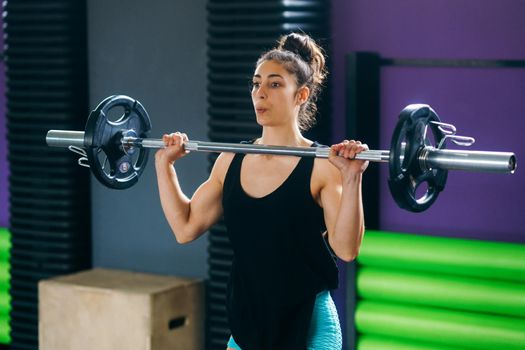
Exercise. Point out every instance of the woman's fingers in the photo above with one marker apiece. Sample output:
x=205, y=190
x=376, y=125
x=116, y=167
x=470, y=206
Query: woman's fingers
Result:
x=174, y=139
x=349, y=148
x=347, y=151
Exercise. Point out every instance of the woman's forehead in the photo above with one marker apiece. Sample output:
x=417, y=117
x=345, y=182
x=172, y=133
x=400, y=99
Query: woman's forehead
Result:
x=269, y=68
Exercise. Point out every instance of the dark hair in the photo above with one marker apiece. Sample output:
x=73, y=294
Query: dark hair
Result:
x=302, y=57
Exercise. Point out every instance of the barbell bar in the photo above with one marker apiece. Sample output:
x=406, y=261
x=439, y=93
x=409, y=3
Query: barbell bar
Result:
x=482, y=161
x=417, y=154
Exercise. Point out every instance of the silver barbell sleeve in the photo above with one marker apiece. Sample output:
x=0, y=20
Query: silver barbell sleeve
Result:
x=429, y=157
x=65, y=138
x=495, y=162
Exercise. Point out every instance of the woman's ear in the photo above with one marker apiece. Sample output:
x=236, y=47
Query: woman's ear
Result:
x=302, y=95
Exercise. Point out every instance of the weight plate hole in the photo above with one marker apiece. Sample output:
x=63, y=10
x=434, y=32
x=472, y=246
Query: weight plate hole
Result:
x=105, y=165
x=430, y=139
x=421, y=192
x=135, y=158
x=116, y=113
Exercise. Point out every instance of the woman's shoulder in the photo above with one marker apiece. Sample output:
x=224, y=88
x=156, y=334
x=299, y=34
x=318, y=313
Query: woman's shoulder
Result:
x=323, y=171
x=221, y=165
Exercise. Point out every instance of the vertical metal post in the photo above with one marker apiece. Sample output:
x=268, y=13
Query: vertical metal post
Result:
x=362, y=122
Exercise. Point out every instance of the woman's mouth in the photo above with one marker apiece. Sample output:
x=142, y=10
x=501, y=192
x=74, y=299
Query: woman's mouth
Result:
x=260, y=110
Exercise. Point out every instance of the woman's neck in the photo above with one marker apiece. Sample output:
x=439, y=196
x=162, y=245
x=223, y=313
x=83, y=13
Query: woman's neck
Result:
x=282, y=136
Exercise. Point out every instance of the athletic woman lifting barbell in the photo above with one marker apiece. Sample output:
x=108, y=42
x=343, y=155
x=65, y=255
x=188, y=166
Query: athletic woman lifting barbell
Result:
x=279, y=210
x=286, y=217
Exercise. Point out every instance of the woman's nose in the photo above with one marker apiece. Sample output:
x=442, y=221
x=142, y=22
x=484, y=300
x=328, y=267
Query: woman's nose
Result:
x=260, y=93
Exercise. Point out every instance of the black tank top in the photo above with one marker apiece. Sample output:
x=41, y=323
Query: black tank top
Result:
x=281, y=260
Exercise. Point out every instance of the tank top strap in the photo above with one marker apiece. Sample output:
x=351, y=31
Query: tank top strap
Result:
x=303, y=174
x=304, y=170
x=233, y=174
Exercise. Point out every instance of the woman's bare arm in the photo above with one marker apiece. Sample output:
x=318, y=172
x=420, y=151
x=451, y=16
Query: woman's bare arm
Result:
x=189, y=218
x=341, y=198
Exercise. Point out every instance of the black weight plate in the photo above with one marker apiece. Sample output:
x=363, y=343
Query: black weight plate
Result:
x=103, y=139
x=406, y=174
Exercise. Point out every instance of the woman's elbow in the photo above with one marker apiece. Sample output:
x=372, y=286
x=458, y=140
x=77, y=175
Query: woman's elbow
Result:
x=348, y=257
x=186, y=236
x=182, y=239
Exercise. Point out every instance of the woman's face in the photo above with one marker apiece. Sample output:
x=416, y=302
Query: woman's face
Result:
x=275, y=96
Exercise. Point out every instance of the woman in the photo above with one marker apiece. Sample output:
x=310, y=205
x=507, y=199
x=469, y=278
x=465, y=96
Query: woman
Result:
x=285, y=216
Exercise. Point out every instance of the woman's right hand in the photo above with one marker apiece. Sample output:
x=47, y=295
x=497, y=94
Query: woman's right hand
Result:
x=174, y=149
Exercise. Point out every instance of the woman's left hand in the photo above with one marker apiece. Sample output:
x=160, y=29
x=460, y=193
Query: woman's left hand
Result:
x=342, y=157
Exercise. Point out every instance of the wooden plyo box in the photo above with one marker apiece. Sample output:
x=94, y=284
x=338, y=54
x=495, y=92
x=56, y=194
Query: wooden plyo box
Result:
x=111, y=310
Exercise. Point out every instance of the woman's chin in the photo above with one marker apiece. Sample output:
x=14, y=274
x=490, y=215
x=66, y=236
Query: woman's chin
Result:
x=262, y=121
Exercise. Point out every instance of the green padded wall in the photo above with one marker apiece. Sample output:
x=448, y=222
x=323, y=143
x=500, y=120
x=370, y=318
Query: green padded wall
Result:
x=5, y=298
x=431, y=293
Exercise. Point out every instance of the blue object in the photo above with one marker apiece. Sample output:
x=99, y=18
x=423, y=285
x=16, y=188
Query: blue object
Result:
x=325, y=330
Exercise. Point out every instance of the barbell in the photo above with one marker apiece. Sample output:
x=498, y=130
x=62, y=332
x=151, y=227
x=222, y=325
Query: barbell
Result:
x=117, y=150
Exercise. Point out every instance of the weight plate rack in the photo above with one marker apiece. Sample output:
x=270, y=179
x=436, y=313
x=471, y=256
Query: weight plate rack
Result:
x=238, y=32
x=49, y=193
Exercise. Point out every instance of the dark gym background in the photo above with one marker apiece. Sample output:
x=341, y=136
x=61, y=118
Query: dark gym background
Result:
x=156, y=52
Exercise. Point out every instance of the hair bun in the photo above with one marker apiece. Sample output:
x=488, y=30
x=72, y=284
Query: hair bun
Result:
x=297, y=44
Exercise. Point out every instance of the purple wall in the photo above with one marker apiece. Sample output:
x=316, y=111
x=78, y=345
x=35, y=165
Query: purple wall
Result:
x=484, y=103
x=4, y=171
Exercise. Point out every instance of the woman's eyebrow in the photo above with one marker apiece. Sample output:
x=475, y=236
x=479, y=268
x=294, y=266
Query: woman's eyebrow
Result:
x=269, y=76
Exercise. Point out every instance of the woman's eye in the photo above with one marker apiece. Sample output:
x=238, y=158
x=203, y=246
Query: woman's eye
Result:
x=275, y=84
x=255, y=85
